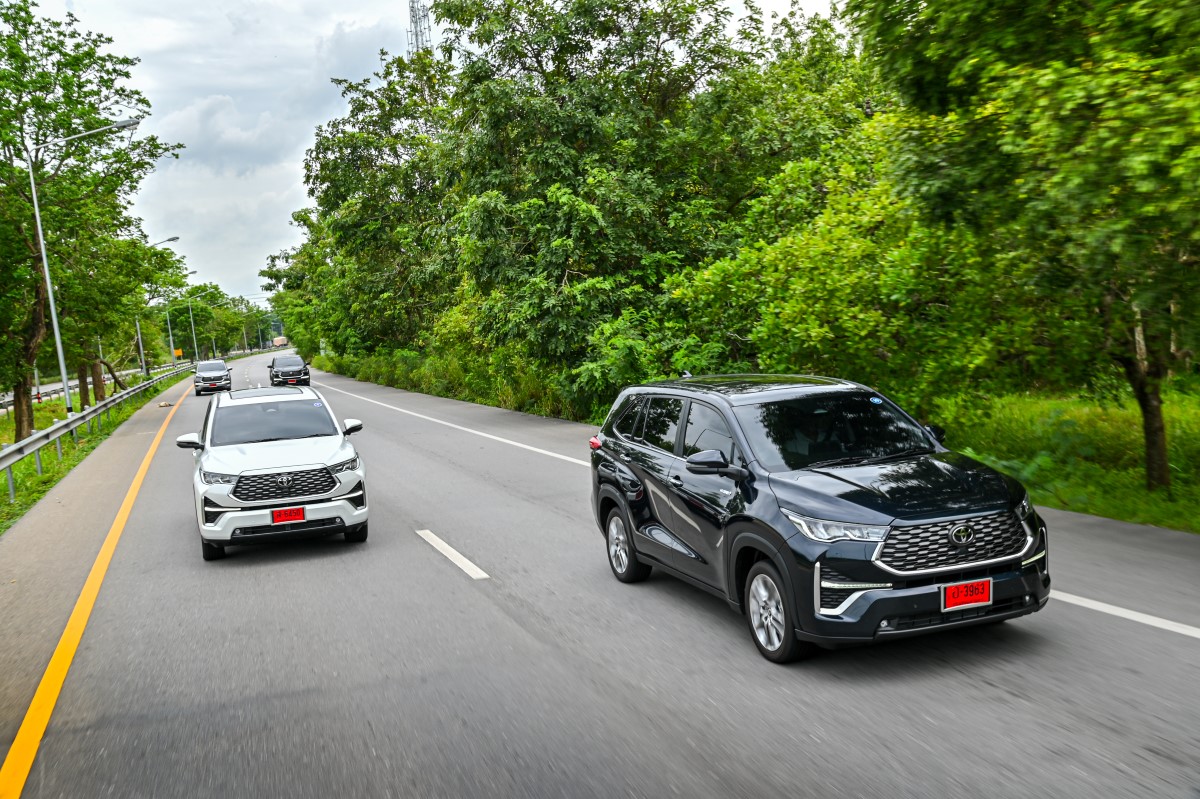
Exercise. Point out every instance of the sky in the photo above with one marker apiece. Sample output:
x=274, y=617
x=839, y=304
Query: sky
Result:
x=243, y=85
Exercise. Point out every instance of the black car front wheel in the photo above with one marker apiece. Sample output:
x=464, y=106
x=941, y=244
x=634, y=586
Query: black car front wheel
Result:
x=770, y=615
x=621, y=558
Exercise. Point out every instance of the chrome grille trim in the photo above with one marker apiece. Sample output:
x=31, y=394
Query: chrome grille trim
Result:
x=1004, y=537
x=264, y=488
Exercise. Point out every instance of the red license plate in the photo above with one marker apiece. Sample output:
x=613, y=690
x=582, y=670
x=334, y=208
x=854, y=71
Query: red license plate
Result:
x=284, y=515
x=291, y=381
x=967, y=595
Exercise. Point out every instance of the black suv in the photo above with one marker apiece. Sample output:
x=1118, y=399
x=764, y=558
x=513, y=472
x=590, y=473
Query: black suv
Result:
x=289, y=370
x=815, y=506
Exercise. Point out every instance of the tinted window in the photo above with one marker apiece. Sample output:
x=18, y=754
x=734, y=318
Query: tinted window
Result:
x=288, y=362
x=706, y=429
x=797, y=433
x=270, y=421
x=627, y=417
x=662, y=423
x=211, y=366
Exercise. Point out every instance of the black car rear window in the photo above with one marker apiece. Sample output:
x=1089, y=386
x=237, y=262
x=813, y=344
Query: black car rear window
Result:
x=270, y=421
x=662, y=423
x=805, y=431
x=289, y=362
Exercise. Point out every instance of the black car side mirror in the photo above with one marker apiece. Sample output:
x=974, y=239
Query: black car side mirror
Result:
x=939, y=432
x=712, y=461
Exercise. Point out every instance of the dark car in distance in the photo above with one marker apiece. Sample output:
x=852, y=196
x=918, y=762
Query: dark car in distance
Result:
x=289, y=370
x=815, y=506
x=212, y=376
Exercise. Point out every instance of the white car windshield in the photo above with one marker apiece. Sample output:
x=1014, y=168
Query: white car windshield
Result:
x=270, y=421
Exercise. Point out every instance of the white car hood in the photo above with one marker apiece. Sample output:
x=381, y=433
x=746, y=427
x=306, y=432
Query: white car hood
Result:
x=276, y=456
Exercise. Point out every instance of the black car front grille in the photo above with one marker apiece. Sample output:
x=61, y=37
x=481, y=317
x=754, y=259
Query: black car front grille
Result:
x=928, y=546
x=834, y=597
x=283, y=485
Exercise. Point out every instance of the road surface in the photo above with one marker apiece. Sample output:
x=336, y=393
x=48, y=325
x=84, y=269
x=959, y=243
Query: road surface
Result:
x=326, y=669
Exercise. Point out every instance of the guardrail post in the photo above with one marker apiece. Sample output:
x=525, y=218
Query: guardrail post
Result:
x=37, y=458
x=58, y=443
x=12, y=487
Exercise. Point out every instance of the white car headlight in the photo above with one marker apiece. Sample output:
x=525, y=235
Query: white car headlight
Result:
x=822, y=530
x=213, y=478
x=345, y=466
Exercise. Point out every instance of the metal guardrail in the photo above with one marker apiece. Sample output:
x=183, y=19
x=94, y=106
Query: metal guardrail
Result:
x=13, y=454
x=6, y=401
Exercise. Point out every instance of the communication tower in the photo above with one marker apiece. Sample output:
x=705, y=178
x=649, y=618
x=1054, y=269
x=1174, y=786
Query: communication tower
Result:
x=420, y=35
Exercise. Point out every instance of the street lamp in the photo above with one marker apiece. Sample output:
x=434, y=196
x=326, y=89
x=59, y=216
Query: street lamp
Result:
x=37, y=218
x=166, y=241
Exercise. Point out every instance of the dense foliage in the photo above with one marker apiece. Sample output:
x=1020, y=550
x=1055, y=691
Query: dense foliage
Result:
x=58, y=83
x=572, y=196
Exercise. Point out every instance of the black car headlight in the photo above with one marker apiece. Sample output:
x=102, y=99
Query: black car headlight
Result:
x=345, y=466
x=823, y=530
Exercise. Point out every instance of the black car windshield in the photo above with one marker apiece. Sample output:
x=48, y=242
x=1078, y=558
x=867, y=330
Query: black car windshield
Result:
x=842, y=427
x=291, y=362
x=211, y=366
x=253, y=423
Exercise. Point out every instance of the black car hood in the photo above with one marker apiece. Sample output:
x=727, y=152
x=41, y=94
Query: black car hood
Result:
x=926, y=486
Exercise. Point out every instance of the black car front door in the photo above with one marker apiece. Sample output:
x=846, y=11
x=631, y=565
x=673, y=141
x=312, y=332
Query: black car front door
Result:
x=704, y=502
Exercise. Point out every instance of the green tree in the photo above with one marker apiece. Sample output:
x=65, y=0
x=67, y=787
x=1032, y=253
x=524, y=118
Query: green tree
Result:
x=1072, y=126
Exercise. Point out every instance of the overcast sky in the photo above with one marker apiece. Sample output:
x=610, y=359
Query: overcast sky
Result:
x=243, y=84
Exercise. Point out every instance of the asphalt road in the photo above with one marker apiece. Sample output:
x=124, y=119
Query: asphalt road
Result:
x=325, y=669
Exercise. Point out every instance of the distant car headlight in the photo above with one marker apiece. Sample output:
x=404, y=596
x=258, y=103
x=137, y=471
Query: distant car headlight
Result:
x=821, y=530
x=345, y=466
x=213, y=478
x=1024, y=508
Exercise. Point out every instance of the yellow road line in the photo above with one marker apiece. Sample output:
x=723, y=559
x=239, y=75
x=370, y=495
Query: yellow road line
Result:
x=19, y=761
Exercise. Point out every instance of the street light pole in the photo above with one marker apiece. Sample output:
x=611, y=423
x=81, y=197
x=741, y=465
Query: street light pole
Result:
x=37, y=218
x=170, y=335
x=192, y=319
x=141, y=352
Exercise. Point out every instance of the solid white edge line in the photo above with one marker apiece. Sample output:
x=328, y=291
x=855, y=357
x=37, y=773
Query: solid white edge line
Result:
x=473, y=571
x=1131, y=615
x=508, y=441
x=1103, y=607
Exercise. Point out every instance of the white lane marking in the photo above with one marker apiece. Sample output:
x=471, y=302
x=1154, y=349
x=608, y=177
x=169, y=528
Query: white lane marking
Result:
x=1131, y=615
x=509, y=441
x=473, y=571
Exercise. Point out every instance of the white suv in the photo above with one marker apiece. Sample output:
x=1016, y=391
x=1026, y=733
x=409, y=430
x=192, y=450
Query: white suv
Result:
x=274, y=464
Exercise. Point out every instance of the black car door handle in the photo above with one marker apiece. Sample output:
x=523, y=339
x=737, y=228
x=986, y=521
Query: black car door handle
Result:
x=677, y=481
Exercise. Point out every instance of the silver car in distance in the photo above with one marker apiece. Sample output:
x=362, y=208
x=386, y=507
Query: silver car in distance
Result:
x=273, y=464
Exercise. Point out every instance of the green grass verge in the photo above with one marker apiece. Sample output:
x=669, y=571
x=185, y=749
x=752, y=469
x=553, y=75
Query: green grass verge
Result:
x=1085, y=456
x=31, y=486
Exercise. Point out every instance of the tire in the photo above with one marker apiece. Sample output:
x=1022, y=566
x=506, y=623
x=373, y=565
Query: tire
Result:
x=356, y=535
x=622, y=558
x=211, y=551
x=770, y=616
x=199, y=393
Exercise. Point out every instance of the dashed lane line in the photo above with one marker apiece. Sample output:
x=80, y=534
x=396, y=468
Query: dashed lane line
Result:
x=473, y=571
x=1091, y=604
x=1131, y=615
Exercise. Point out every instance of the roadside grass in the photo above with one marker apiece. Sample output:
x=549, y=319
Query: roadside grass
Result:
x=31, y=486
x=1083, y=455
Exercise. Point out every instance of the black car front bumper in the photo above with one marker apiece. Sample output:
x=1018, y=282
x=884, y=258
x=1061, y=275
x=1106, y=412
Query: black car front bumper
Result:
x=1017, y=590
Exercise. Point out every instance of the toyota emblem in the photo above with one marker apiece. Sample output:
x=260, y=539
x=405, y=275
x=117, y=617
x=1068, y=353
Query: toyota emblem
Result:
x=285, y=481
x=962, y=535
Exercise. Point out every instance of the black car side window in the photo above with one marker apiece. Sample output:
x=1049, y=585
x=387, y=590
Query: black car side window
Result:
x=662, y=423
x=627, y=417
x=706, y=429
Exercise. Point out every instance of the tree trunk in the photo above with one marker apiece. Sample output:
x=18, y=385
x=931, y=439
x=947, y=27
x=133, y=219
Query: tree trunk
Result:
x=1145, y=368
x=81, y=373
x=116, y=377
x=98, y=381
x=22, y=409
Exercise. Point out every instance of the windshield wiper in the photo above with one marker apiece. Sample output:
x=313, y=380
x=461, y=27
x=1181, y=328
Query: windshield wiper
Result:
x=287, y=438
x=837, y=462
x=904, y=453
